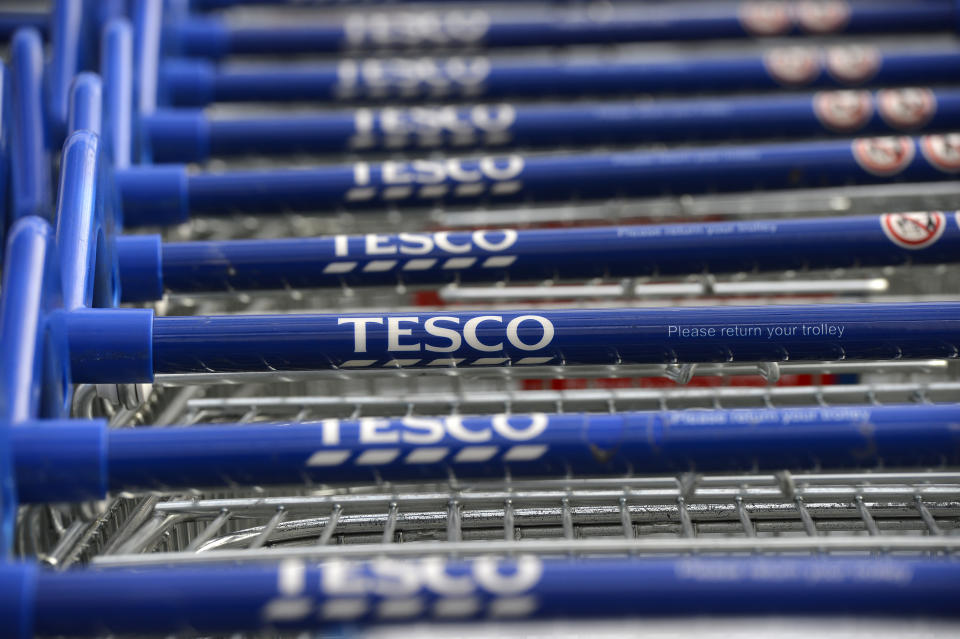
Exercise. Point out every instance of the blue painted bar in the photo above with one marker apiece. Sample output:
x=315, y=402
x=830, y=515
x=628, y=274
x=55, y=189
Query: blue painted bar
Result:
x=167, y=194
x=189, y=135
x=497, y=255
x=191, y=82
x=64, y=460
x=216, y=37
x=492, y=338
x=240, y=598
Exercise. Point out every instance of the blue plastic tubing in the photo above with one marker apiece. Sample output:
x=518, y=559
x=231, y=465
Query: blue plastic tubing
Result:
x=190, y=82
x=302, y=595
x=495, y=255
x=189, y=135
x=469, y=27
x=164, y=194
x=312, y=342
x=76, y=460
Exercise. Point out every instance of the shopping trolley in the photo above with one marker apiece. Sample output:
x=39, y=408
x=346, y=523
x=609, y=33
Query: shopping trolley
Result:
x=514, y=543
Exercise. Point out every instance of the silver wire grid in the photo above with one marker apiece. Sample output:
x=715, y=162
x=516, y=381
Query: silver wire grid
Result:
x=912, y=511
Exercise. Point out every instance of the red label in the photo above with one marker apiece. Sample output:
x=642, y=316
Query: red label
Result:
x=942, y=151
x=825, y=16
x=853, y=64
x=765, y=18
x=913, y=230
x=792, y=66
x=908, y=108
x=883, y=156
x=843, y=111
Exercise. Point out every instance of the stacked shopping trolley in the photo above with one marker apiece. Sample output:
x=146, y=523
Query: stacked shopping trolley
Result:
x=478, y=312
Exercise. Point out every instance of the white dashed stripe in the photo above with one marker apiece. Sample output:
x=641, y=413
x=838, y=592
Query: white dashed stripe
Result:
x=489, y=361
x=533, y=360
x=451, y=607
x=419, y=265
x=357, y=194
x=513, y=606
x=468, y=190
x=434, y=190
x=463, y=139
x=499, y=261
x=506, y=188
x=288, y=609
x=459, y=262
x=344, y=608
x=397, y=363
x=525, y=452
x=397, y=192
x=358, y=363
x=378, y=266
x=426, y=455
x=399, y=608
x=377, y=456
x=429, y=140
x=476, y=453
x=339, y=267
x=395, y=141
x=449, y=361
x=362, y=142
x=328, y=458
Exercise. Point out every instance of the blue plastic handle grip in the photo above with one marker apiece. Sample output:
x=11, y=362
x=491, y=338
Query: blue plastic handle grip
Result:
x=606, y=336
x=216, y=37
x=73, y=461
x=297, y=595
x=67, y=42
x=190, y=82
x=30, y=160
x=495, y=255
x=116, y=68
x=183, y=135
x=168, y=194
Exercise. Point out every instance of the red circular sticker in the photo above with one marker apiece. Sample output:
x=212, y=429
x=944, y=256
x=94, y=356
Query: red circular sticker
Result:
x=913, y=230
x=843, y=111
x=854, y=64
x=765, y=18
x=942, y=151
x=908, y=108
x=792, y=66
x=883, y=156
x=822, y=16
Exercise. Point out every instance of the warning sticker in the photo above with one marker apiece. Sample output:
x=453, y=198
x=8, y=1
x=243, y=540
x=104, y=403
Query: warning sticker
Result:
x=942, y=151
x=792, y=66
x=853, y=64
x=908, y=108
x=843, y=111
x=914, y=230
x=822, y=16
x=885, y=156
x=765, y=18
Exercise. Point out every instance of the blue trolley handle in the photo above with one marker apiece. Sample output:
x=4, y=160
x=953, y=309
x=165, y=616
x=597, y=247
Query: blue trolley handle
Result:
x=304, y=595
x=77, y=460
x=190, y=82
x=190, y=135
x=166, y=194
x=475, y=27
x=147, y=267
x=130, y=345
